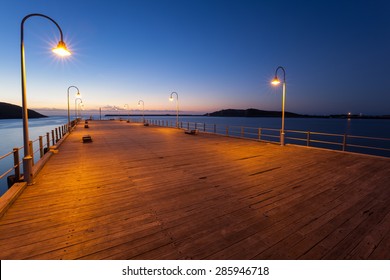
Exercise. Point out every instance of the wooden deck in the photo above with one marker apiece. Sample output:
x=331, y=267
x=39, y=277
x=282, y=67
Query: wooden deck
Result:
x=140, y=192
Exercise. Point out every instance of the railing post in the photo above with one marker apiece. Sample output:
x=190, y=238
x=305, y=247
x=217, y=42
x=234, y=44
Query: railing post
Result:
x=227, y=130
x=56, y=130
x=31, y=149
x=52, y=136
x=344, y=142
x=259, y=134
x=242, y=131
x=281, y=137
x=196, y=125
x=47, y=140
x=204, y=127
x=16, y=164
x=308, y=139
x=41, y=146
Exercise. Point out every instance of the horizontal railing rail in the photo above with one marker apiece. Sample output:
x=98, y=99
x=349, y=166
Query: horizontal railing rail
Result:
x=344, y=142
x=38, y=148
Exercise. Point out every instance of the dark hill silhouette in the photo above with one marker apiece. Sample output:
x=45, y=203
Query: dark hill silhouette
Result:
x=10, y=111
x=262, y=113
x=251, y=113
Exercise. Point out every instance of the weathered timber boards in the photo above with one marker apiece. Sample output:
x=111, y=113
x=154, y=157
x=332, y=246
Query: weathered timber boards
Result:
x=155, y=193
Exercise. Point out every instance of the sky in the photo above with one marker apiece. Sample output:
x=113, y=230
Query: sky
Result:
x=215, y=54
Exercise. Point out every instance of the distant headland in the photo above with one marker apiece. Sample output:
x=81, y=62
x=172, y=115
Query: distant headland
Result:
x=262, y=113
x=10, y=111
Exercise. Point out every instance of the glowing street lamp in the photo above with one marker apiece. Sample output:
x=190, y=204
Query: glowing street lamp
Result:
x=276, y=82
x=143, y=110
x=177, y=107
x=128, y=115
x=60, y=50
x=77, y=95
x=80, y=107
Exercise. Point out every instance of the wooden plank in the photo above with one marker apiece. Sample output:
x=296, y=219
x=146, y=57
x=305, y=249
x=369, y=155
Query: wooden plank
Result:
x=170, y=196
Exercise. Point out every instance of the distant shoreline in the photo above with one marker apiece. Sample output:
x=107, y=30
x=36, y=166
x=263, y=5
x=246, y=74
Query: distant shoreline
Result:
x=384, y=117
x=254, y=113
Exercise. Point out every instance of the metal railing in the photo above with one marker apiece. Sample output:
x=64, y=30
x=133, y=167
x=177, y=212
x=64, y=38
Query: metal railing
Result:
x=344, y=142
x=38, y=148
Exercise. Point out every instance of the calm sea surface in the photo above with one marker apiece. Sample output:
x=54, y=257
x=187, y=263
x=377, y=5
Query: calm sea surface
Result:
x=11, y=133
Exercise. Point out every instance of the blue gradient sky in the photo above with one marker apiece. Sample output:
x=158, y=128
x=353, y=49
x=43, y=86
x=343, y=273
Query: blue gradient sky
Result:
x=215, y=54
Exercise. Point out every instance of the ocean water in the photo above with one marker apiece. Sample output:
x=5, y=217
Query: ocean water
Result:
x=11, y=136
x=11, y=133
x=358, y=127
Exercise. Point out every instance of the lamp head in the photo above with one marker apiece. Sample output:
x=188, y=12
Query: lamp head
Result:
x=171, y=98
x=61, y=49
x=78, y=94
x=275, y=81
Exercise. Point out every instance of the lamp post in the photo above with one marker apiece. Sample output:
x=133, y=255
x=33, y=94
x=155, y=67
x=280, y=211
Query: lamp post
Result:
x=80, y=107
x=75, y=107
x=177, y=107
x=77, y=95
x=59, y=50
x=128, y=114
x=276, y=82
x=143, y=110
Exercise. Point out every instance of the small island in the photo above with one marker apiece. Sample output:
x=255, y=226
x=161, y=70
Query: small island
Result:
x=253, y=113
x=10, y=111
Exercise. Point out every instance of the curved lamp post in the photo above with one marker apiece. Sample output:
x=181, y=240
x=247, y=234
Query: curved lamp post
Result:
x=143, y=110
x=75, y=106
x=77, y=95
x=276, y=82
x=128, y=114
x=80, y=108
x=59, y=50
x=177, y=107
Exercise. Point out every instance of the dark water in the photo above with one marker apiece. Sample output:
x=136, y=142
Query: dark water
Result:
x=12, y=136
x=359, y=127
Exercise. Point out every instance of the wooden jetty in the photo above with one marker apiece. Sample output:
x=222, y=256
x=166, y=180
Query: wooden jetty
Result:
x=146, y=192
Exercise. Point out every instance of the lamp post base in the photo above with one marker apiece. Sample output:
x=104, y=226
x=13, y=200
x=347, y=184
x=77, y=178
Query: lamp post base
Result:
x=282, y=139
x=27, y=170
